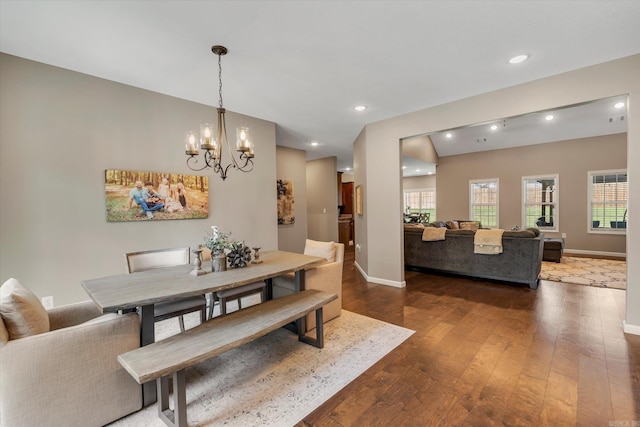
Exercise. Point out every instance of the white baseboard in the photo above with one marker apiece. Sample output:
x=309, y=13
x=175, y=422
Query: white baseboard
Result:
x=630, y=329
x=385, y=282
x=620, y=255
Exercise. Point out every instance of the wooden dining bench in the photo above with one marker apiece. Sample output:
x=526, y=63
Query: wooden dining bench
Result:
x=171, y=356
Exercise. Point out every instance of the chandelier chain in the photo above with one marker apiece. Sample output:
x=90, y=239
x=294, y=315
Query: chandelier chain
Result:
x=220, y=78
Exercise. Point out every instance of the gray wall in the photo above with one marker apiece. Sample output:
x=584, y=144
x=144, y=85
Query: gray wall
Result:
x=383, y=230
x=292, y=165
x=59, y=131
x=570, y=159
x=322, y=199
x=360, y=221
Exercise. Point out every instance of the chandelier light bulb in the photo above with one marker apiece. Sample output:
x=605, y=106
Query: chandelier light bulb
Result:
x=243, y=143
x=190, y=146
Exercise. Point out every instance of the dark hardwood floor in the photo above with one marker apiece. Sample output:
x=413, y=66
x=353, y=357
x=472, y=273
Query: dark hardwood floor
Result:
x=488, y=354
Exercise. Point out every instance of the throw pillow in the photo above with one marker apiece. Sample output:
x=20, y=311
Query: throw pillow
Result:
x=321, y=249
x=22, y=312
x=534, y=231
x=452, y=225
x=470, y=225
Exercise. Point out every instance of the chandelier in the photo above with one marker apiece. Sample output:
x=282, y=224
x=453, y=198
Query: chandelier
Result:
x=213, y=146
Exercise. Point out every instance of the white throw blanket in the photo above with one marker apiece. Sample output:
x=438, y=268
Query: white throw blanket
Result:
x=431, y=234
x=488, y=242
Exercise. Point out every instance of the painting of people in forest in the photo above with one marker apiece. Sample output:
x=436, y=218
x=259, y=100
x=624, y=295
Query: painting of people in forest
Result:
x=142, y=196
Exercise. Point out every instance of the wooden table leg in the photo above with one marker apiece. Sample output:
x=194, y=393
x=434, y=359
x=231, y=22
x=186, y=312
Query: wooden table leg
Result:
x=269, y=295
x=147, y=336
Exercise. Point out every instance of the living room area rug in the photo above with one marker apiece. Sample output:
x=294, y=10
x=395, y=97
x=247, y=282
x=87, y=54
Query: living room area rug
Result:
x=604, y=273
x=276, y=380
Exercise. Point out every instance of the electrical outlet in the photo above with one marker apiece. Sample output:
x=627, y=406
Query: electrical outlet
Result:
x=47, y=302
x=564, y=235
x=324, y=210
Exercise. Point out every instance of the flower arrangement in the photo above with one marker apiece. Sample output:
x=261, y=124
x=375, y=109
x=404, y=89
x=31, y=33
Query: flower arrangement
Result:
x=217, y=241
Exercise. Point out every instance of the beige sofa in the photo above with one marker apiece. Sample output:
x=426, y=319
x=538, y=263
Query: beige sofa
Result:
x=326, y=277
x=70, y=375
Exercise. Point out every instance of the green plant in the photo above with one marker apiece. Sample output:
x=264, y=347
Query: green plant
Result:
x=217, y=241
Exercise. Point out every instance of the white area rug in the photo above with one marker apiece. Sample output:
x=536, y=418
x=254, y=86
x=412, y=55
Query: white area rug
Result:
x=276, y=380
x=604, y=273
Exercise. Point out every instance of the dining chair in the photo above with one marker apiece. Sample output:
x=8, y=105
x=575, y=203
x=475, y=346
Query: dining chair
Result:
x=234, y=294
x=325, y=277
x=147, y=260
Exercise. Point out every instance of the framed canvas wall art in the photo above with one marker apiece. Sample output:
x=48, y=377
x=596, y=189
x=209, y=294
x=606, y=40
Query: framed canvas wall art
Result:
x=141, y=196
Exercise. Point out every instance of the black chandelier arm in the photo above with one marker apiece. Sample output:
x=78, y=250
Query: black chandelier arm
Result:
x=223, y=172
x=248, y=161
x=193, y=159
x=209, y=162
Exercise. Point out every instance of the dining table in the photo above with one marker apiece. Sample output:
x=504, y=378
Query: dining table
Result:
x=141, y=290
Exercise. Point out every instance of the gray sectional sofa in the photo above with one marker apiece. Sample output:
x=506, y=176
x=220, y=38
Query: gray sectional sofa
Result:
x=520, y=261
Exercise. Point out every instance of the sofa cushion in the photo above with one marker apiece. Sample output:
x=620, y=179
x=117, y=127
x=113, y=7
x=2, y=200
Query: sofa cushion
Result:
x=460, y=233
x=321, y=249
x=22, y=312
x=414, y=227
x=526, y=234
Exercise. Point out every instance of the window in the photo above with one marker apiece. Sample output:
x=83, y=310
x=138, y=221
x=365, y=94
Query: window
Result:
x=540, y=202
x=483, y=202
x=608, y=195
x=420, y=205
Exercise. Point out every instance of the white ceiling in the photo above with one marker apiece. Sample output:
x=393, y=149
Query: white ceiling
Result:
x=595, y=118
x=305, y=64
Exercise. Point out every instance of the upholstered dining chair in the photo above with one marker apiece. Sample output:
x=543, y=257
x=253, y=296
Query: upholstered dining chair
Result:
x=325, y=277
x=147, y=260
x=235, y=294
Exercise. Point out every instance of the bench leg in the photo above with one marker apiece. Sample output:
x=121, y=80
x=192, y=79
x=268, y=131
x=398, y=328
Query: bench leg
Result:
x=318, y=341
x=178, y=416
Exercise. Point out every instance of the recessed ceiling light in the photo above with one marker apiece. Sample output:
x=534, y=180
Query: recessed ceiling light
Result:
x=404, y=167
x=518, y=59
x=494, y=127
x=417, y=170
x=549, y=117
x=429, y=173
x=449, y=135
x=314, y=143
x=619, y=104
x=360, y=107
x=347, y=169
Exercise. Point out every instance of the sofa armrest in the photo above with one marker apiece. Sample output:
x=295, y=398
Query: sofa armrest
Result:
x=70, y=376
x=72, y=314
